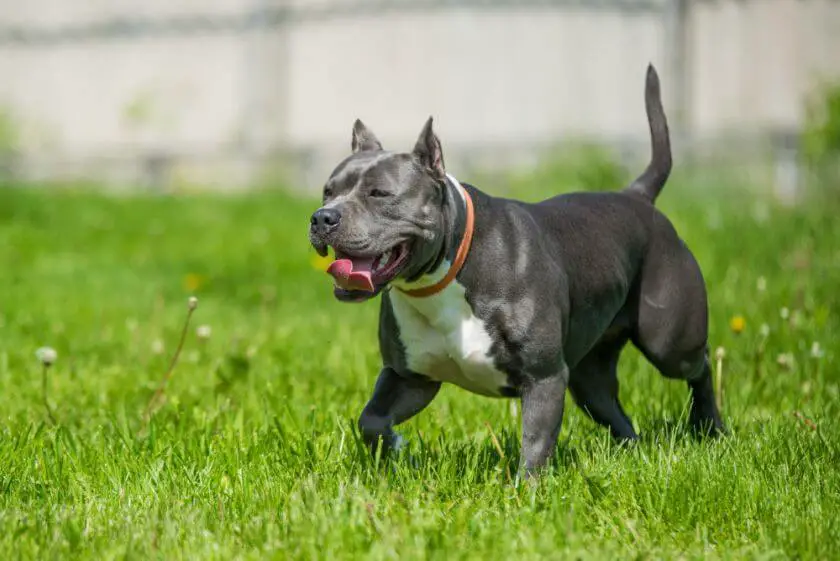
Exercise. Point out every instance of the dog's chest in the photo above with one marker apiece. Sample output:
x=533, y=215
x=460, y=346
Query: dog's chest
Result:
x=445, y=341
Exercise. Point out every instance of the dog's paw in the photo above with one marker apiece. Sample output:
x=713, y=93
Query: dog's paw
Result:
x=398, y=443
x=708, y=428
x=402, y=455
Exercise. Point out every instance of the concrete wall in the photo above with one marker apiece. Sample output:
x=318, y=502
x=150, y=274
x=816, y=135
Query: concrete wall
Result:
x=503, y=76
x=753, y=63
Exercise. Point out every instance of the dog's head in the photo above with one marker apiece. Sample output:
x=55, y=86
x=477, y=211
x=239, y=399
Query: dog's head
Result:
x=385, y=214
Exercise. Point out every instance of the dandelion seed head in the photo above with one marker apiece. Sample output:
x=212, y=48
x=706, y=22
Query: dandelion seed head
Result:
x=203, y=332
x=785, y=360
x=47, y=355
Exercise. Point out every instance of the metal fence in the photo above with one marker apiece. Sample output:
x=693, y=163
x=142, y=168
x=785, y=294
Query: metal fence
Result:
x=237, y=89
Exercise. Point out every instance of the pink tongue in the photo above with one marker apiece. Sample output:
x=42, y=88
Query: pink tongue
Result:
x=352, y=274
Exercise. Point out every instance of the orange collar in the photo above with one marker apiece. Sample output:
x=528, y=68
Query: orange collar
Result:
x=460, y=256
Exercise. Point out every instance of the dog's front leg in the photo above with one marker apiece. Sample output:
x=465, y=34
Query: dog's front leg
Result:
x=542, y=414
x=395, y=399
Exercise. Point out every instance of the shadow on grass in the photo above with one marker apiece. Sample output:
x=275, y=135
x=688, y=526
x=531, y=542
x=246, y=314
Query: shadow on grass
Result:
x=478, y=461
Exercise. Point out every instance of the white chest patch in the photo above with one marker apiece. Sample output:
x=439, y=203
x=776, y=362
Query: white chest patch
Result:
x=446, y=342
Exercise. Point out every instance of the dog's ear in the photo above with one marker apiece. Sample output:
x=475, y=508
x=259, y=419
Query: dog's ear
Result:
x=363, y=138
x=429, y=152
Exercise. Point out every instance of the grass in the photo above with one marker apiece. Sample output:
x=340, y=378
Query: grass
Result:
x=254, y=454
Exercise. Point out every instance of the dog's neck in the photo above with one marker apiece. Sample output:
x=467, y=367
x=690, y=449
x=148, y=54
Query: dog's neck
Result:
x=454, y=210
x=456, y=220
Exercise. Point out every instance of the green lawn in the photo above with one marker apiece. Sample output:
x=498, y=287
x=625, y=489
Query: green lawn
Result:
x=254, y=455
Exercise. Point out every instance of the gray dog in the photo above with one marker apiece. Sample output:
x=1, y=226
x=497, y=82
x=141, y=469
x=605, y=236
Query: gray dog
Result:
x=511, y=299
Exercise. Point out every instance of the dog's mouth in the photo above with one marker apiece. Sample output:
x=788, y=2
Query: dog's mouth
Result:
x=359, y=278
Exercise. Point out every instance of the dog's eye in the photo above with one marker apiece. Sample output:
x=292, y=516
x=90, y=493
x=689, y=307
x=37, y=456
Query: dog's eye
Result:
x=327, y=193
x=379, y=193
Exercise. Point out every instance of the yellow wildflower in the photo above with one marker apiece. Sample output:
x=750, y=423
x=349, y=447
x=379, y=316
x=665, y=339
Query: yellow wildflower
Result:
x=320, y=263
x=193, y=281
x=737, y=324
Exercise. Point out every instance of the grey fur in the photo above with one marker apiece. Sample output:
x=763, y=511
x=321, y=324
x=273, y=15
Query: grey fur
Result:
x=561, y=286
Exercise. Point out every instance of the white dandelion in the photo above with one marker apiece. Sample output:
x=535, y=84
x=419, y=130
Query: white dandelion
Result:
x=47, y=355
x=203, y=332
x=785, y=360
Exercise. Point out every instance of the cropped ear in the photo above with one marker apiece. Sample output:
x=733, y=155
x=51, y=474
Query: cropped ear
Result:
x=429, y=152
x=364, y=139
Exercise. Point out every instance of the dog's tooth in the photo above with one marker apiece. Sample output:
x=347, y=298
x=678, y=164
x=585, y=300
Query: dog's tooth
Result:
x=385, y=258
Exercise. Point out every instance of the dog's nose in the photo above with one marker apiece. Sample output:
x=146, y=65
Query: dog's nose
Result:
x=325, y=220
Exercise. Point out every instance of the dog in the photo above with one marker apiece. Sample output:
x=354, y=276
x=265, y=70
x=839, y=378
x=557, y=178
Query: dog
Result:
x=512, y=299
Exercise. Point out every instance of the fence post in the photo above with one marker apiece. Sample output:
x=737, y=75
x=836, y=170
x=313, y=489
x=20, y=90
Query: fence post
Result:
x=265, y=82
x=676, y=22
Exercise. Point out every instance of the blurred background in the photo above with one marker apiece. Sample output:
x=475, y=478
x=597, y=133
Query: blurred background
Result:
x=158, y=150
x=236, y=93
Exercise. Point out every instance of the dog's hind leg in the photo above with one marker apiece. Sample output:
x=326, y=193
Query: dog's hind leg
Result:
x=594, y=387
x=705, y=417
x=672, y=329
x=692, y=366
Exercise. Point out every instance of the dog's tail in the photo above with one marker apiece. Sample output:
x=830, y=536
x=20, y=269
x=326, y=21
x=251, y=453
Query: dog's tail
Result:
x=650, y=183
